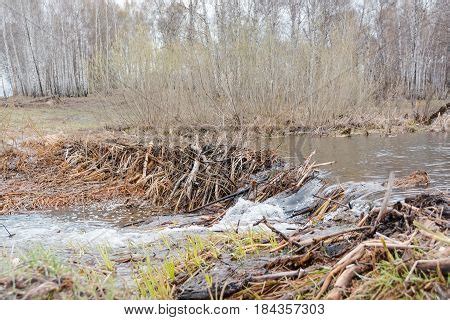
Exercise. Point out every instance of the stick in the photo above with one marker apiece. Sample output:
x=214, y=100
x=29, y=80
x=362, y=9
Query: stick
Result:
x=322, y=164
x=430, y=265
x=387, y=195
x=313, y=240
x=220, y=200
x=306, y=175
x=353, y=256
x=334, y=201
x=417, y=209
x=300, y=212
x=271, y=227
x=281, y=246
x=343, y=282
x=275, y=276
x=363, y=220
x=10, y=235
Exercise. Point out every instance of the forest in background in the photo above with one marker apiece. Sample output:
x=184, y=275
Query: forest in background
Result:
x=214, y=61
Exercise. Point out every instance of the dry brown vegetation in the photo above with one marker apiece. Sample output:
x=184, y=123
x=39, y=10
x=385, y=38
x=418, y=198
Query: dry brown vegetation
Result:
x=67, y=171
x=210, y=66
x=404, y=255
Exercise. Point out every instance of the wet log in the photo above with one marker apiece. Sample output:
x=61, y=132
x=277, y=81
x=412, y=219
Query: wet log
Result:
x=221, y=290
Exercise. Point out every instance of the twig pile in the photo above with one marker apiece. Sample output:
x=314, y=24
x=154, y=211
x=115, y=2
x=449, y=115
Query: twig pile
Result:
x=180, y=178
x=405, y=254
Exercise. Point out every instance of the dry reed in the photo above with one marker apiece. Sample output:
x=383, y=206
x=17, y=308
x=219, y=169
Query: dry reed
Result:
x=67, y=172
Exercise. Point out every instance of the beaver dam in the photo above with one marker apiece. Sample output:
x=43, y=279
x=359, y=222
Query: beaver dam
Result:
x=117, y=218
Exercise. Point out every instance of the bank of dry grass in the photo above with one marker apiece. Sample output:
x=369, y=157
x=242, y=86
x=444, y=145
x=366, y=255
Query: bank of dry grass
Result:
x=24, y=118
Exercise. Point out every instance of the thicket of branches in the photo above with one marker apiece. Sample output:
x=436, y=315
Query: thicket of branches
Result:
x=229, y=60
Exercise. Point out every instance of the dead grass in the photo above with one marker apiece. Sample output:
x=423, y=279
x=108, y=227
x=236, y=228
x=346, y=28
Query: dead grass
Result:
x=40, y=273
x=25, y=117
x=61, y=172
x=22, y=118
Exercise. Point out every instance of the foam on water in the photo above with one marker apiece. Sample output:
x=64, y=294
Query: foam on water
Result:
x=277, y=210
x=245, y=213
x=47, y=230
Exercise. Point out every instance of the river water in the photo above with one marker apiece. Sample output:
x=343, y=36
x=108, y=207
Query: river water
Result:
x=371, y=158
x=362, y=164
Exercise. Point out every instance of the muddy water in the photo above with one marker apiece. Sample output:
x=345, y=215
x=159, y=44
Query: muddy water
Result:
x=371, y=158
x=362, y=164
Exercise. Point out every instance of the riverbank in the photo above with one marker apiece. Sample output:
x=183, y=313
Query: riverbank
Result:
x=398, y=251
x=250, y=226
x=23, y=117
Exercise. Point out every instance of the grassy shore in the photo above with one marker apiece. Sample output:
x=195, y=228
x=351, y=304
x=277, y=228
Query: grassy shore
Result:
x=22, y=117
x=250, y=265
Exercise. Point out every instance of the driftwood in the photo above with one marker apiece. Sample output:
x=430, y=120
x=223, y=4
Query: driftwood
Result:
x=315, y=240
x=344, y=281
x=442, y=265
x=280, y=275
